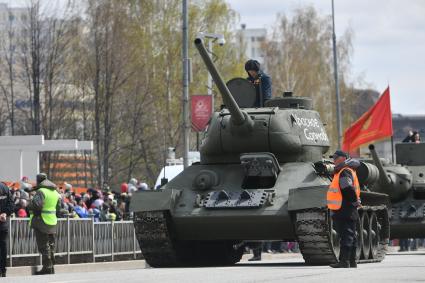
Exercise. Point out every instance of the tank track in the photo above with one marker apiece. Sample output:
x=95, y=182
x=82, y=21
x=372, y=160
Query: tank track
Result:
x=160, y=249
x=313, y=231
x=152, y=232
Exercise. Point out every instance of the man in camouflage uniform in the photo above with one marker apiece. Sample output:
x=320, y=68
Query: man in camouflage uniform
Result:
x=44, y=207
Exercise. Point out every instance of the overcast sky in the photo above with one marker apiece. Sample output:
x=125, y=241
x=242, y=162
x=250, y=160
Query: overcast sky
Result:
x=389, y=41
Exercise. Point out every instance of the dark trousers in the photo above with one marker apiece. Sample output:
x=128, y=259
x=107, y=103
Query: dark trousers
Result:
x=257, y=248
x=3, y=250
x=46, y=246
x=346, y=228
x=404, y=244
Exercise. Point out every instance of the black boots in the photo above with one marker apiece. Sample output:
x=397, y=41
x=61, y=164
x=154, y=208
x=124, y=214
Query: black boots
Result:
x=344, y=258
x=256, y=254
x=347, y=258
x=47, y=266
x=3, y=273
x=45, y=270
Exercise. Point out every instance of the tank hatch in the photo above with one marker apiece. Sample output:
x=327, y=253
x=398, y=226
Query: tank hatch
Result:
x=410, y=154
x=252, y=111
x=261, y=170
x=243, y=92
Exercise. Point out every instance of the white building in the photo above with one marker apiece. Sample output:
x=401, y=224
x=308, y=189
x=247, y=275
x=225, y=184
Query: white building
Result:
x=13, y=19
x=253, y=41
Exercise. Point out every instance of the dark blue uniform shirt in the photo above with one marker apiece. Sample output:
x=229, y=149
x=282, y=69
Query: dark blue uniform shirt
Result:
x=266, y=87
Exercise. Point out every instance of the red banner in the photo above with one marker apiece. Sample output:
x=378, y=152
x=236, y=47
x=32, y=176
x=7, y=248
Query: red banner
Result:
x=375, y=124
x=201, y=111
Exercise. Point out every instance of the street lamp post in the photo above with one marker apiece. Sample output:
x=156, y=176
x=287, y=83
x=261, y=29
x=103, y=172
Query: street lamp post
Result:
x=338, y=100
x=185, y=55
x=213, y=38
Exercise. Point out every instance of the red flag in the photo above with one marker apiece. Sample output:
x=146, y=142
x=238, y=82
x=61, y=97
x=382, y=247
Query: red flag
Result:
x=375, y=124
x=201, y=111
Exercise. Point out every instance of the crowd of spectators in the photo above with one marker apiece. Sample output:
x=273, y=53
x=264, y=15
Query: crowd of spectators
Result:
x=408, y=244
x=101, y=204
x=280, y=247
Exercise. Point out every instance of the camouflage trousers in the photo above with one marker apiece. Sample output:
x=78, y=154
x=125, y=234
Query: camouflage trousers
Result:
x=46, y=246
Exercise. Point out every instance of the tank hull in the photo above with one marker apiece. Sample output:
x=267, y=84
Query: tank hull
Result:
x=408, y=219
x=293, y=209
x=270, y=221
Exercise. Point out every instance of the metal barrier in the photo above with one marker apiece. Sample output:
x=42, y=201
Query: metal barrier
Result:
x=76, y=237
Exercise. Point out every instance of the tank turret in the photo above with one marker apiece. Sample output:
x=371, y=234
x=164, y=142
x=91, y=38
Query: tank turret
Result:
x=290, y=130
x=394, y=179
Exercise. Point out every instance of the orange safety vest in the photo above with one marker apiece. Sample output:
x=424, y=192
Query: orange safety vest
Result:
x=334, y=195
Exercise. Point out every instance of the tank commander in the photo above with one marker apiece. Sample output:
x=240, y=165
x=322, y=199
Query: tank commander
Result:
x=44, y=207
x=412, y=137
x=343, y=198
x=261, y=81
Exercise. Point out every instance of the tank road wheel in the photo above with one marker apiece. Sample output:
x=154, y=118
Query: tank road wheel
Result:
x=374, y=231
x=365, y=236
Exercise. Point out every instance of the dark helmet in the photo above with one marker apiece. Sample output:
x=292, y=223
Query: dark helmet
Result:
x=252, y=65
x=41, y=177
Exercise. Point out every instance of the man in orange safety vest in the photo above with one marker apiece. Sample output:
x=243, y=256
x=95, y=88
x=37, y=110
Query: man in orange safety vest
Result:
x=343, y=199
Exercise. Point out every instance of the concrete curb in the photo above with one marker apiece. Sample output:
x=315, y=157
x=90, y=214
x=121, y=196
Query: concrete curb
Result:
x=79, y=267
x=119, y=265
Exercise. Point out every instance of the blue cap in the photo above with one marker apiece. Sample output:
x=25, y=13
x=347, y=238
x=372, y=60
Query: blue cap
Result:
x=339, y=153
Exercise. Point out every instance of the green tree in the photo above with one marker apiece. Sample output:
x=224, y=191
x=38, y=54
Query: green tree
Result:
x=133, y=68
x=299, y=58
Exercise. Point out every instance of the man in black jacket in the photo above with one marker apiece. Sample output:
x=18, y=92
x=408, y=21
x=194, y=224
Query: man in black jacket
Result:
x=6, y=209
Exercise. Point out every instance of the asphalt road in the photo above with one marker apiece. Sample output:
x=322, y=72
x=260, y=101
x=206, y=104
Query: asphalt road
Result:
x=397, y=267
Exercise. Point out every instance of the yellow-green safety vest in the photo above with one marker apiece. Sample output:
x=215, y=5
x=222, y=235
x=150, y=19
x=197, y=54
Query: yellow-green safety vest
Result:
x=48, y=212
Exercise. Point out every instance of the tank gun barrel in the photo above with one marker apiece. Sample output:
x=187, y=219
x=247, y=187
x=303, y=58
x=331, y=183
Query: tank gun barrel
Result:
x=236, y=113
x=382, y=173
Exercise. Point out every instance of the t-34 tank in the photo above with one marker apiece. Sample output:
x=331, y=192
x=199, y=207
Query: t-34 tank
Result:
x=404, y=182
x=257, y=180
